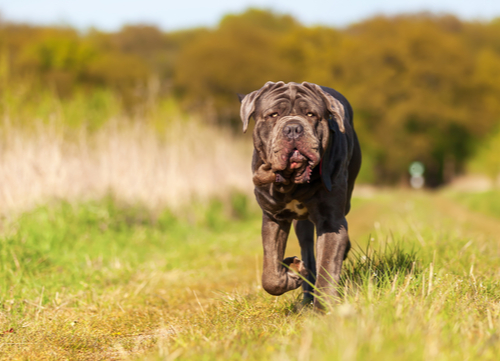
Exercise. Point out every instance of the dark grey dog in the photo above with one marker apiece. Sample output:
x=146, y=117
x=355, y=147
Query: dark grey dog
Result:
x=305, y=161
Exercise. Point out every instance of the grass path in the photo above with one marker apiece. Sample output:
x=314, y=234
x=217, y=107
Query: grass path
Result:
x=97, y=281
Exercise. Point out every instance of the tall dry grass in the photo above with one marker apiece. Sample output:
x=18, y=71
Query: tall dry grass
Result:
x=133, y=161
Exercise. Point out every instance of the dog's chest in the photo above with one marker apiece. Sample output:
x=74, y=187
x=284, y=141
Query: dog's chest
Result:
x=288, y=206
x=292, y=210
x=297, y=207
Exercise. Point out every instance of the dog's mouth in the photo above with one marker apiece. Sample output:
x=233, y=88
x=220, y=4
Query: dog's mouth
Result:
x=296, y=160
x=298, y=169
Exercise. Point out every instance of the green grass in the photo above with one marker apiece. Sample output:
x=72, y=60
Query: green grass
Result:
x=75, y=260
x=485, y=202
x=104, y=280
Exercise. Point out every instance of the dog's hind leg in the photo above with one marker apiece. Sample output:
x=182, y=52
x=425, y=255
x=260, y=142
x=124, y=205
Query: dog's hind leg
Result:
x=305, y=233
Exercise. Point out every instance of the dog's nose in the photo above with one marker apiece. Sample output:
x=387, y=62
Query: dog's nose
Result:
x=293, y=130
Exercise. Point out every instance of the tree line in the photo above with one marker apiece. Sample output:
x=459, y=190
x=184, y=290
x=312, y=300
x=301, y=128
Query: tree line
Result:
x=423, y=87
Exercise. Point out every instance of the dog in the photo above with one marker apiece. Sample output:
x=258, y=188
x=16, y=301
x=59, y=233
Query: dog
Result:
x=305, y=161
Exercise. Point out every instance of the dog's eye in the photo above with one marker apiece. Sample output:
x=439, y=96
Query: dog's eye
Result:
x=310, y=114
x=273, y=115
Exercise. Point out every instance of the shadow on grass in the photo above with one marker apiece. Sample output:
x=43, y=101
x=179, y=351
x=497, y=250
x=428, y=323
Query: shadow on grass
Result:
x=386, y=266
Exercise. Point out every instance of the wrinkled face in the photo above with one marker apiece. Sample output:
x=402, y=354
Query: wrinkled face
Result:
x=291, y=130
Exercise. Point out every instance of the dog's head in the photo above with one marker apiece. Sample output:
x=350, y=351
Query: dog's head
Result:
x=292, y=130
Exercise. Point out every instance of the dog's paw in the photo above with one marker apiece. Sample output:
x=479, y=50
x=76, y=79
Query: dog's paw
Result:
x=296, y=265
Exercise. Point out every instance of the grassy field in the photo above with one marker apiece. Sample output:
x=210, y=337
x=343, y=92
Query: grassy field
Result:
x=133, y=234
x=108, y=280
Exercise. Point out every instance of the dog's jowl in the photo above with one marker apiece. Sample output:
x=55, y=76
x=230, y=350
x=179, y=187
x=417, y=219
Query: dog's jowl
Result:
x=304, y=164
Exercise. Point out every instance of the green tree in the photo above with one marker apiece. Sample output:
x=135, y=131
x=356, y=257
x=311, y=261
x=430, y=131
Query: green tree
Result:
x=239, y=56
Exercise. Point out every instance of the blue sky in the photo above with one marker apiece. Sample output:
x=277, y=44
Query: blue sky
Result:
x=179, y=14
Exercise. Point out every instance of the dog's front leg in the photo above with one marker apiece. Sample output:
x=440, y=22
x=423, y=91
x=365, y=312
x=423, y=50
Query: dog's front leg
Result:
x=333, y=243
x=276, y=277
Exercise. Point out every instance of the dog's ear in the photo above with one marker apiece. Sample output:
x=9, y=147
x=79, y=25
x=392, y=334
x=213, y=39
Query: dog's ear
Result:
x=335, y=108
x=328, y=161
x=248, y=102
x=334, y=159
